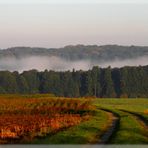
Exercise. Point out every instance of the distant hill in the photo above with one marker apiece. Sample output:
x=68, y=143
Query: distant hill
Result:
x=94, y=54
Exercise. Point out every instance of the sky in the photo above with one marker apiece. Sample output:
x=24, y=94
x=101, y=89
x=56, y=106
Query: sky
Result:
x=57, y=23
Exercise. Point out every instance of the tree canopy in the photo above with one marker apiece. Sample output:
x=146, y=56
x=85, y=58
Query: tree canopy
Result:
x=128, y=82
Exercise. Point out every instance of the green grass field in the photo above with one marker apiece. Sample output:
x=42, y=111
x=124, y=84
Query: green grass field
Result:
x=131, y=130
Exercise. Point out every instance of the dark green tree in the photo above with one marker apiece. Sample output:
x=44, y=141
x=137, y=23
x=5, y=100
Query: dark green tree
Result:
x=96, y=87
x=32, y=79
x=8, y=82
x=108, y=84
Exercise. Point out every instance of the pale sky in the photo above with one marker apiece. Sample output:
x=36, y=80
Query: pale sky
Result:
x=56, y=23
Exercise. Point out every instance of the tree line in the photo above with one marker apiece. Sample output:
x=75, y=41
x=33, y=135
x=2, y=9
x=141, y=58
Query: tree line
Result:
x=126, y=82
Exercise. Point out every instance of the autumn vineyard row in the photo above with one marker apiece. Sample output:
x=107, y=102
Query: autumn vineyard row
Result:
x=25, y=119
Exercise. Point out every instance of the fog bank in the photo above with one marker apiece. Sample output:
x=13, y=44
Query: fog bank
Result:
x=58, y=64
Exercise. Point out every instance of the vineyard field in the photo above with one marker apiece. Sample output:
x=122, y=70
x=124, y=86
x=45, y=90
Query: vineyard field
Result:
x=22, y=120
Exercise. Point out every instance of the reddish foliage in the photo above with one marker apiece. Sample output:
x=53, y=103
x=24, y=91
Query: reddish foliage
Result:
x=37, y=117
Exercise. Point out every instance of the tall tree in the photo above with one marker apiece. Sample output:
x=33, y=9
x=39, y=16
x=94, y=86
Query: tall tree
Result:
x=124, y=82
x=86, y=84
x=109, y=90
x=8, y=82
x=32, y=78
x=96, y=88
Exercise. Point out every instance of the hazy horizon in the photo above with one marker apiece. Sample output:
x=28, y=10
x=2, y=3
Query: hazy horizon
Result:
x=58, y=23
x=54, y=47
x=11, y=47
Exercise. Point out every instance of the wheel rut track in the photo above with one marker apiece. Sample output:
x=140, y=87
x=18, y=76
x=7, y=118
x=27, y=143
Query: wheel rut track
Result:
x=142, y=121
x=138, y=116
x=106, y=137
x=111, y=132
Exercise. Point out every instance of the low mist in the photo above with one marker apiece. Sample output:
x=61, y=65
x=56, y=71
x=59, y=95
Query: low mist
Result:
x=58, y=64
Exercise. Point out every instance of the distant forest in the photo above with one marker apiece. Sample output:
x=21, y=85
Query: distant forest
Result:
x=126, y=82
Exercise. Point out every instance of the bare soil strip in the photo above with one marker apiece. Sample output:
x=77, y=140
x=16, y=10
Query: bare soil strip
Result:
x=112, y=128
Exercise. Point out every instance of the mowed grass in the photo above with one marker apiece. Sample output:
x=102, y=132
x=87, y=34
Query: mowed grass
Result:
x=136, y=105
x=130, y=130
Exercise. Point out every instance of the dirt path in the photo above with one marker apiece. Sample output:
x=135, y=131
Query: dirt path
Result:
x=115, y=121
x=112, y=128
